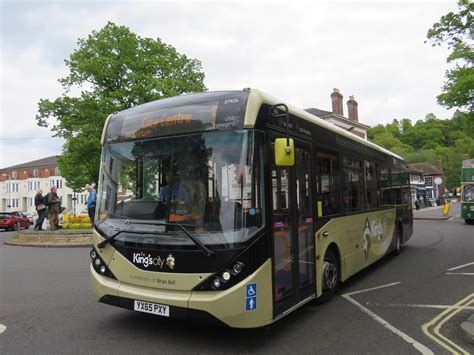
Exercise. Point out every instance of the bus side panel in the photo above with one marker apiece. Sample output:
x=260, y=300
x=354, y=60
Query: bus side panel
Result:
x=233, y=306
x=361, y=240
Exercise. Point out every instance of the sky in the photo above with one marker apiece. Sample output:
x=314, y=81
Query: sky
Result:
x=297, y=51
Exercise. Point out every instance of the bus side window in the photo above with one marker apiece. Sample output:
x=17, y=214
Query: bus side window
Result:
x=371, y=185
x=328, y=185
x=352, y=184
x=386, y=187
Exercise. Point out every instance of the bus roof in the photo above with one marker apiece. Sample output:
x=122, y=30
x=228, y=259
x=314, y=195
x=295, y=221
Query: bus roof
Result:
x=257, y=98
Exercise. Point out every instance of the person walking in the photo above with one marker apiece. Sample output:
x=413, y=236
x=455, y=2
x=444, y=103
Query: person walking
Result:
x=54, y=206
x=91, y=203
x=40, y=208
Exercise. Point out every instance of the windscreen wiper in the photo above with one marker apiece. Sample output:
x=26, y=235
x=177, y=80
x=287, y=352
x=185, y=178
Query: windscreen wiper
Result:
x=196, y=241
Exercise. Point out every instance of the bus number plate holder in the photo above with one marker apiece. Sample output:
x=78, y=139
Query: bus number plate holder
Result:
x=152, y=308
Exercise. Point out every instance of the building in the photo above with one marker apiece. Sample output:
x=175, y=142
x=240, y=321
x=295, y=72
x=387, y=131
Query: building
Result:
x=418, y=187
x=336, y=116
x=19, y=183
x=434, y=180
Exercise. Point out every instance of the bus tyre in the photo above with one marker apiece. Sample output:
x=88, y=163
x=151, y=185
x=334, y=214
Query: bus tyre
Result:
x=398, y=241
x=469, y=221
x=331, y=275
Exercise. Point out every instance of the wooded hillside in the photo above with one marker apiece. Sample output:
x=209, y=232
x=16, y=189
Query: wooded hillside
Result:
x=444, y=143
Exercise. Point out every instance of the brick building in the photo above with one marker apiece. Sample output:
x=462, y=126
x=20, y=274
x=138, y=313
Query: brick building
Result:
x=434, y=180
x=19, y=183
x=336, y=116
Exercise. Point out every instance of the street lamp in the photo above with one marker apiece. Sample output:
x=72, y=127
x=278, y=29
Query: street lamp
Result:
x=74, y=199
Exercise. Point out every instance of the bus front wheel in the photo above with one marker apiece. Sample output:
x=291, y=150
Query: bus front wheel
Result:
x=330, y=275
x=469, y=221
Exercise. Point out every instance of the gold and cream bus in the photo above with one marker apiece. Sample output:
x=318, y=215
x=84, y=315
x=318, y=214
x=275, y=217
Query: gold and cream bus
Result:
x=234, y=207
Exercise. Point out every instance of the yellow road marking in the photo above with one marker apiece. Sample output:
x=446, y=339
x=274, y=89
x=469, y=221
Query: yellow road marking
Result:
x=438, y=321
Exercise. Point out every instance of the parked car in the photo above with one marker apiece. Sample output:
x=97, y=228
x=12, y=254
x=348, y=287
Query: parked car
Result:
x=13, y=221
x=30, y=217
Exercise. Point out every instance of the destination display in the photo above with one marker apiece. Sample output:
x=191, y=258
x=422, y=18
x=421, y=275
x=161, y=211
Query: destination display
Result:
x=181, y=114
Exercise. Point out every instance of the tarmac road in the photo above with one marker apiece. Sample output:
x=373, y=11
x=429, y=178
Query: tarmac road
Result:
x=47, y=307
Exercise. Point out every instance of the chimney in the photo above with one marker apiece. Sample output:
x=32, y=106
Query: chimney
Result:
x=352, y=109
x=336, y=98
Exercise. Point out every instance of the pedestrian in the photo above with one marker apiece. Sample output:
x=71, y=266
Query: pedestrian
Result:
x=91, y=203
x=40, y=208
x=417, y=204
x=54, y=206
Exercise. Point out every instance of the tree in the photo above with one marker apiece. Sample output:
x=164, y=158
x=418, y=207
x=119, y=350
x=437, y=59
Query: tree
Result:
x=444, y=143
x=115, y=69
x=455, y=29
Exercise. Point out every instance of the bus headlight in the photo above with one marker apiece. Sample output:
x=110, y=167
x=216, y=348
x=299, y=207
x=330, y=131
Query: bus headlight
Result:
x=216, y=283
x=236, y=270
x=99, y=265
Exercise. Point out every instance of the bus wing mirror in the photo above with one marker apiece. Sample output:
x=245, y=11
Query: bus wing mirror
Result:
x=284, y=152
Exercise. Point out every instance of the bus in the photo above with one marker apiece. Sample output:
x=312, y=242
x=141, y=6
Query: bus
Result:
x=467, y=191
x=233, y=207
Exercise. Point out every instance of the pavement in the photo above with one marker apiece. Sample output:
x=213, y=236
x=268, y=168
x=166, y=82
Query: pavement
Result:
x=430, y=213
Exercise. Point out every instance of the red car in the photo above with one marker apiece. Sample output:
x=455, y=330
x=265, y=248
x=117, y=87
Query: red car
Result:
x=13, y=221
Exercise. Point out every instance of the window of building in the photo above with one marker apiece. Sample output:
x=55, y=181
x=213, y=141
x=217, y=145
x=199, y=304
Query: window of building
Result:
x=328, y=183
x=13, y=175
x=30, y=185
x=57, y=172
x=429, y=194
x=352, y=192
x=13, y=202
x=35, y=173
x=30, y=201
x=429, y=180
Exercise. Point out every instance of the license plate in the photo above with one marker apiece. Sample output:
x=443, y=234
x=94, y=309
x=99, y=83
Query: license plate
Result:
x=152, y=308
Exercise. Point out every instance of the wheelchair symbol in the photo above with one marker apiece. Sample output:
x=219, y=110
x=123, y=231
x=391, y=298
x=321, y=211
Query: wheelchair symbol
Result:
x=251, y=290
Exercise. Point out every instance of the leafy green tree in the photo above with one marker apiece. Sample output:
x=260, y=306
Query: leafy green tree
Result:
x=456, y=30
x=443, y=143
x=113, y=69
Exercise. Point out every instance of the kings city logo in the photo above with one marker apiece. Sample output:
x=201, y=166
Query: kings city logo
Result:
x=373, y=231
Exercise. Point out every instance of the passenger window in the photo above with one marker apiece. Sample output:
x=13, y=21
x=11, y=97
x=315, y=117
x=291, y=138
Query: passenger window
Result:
x=328, y=183
x=386, y=187
x=352, y=184
x=371, y=184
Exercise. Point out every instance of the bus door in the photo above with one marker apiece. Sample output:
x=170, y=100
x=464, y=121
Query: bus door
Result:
x=292, y=221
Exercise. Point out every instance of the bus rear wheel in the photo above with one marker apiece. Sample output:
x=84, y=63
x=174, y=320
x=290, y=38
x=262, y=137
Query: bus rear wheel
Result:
x=398, y=240
x=330, y=276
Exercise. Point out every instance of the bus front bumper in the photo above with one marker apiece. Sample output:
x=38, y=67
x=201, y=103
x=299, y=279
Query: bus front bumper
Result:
x=229, y=306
